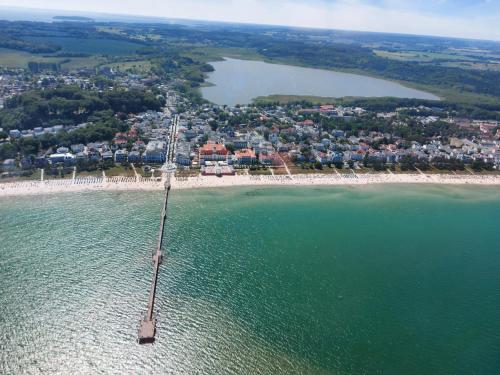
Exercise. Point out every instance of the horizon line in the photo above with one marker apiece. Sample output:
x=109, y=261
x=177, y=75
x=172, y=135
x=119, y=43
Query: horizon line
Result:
x=165, y=18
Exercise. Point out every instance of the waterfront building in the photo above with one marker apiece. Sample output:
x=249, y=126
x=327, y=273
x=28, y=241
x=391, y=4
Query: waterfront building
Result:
x=156, y=152
x=120, y=156
x=212, y=151
x=134, y=157
x=245, y=157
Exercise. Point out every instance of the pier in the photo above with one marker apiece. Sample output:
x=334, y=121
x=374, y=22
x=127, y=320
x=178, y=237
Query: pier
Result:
x=147, y=329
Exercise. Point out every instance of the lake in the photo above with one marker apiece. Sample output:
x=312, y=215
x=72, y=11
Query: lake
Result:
x=334, y=280
x=239, y=81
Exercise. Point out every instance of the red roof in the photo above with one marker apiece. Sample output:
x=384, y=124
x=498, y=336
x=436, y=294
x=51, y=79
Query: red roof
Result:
x=306, y=123
x=213, y=148
x=245, y=153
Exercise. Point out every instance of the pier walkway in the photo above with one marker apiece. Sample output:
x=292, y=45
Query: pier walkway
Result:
x=147, y=328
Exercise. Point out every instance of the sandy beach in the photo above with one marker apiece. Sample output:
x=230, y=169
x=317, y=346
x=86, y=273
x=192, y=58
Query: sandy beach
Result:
x=147, y=184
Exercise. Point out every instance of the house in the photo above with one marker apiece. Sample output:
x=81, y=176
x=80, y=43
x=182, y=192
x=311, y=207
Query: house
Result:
x=14, y=133
x=306, y=123
x=319, y=147
x=107, y=155
x=322, y=157
x=8, y=165
x=94, y=156
x=245, y=157
x=240, y=143
x=41, y=161
x=26, y=163
x=77, y=148
x=120, y=156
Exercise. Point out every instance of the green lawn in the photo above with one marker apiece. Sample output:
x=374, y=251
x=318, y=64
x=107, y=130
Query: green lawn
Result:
x=10, y=58
x=120, y=170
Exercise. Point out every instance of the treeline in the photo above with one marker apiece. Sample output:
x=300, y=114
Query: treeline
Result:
x=7, y=41
x=71, y=105
x=479, y=110
x=37, y=67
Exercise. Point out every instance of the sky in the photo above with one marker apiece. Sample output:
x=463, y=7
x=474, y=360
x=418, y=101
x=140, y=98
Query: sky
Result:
x=478, y=19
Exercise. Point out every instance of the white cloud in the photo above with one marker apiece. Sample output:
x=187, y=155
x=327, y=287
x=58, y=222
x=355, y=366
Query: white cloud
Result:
x=383, y=16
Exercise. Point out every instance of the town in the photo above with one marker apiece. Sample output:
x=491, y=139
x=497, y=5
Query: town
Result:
x=256, y=139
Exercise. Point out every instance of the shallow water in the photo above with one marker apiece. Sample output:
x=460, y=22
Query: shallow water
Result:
x=393, y=280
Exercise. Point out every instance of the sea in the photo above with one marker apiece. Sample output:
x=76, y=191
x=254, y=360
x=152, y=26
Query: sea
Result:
x=330, y=280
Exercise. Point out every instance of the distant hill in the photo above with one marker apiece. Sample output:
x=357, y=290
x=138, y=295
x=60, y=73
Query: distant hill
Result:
x=73, y=19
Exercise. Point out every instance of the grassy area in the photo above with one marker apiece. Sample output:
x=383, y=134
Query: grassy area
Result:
x=83, y=174
x=120, y=170
x=297, y=169
x=156, y=168
x=187, y=173
x=10, y=58
x=35, y=176
x=280, y=171
x=76, y=63
x=420, y=56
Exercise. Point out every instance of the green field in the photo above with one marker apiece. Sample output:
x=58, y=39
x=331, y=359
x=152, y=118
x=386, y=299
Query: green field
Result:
x=10, y=58
x=423, y=56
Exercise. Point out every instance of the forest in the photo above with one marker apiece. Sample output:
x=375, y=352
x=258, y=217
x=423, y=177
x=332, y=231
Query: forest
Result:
x=71, y=105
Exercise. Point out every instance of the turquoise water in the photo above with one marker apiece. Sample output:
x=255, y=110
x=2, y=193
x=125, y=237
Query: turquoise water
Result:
x=240, y=81
x=389, y=280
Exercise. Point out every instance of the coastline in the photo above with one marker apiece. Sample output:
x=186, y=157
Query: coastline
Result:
x=25, y=188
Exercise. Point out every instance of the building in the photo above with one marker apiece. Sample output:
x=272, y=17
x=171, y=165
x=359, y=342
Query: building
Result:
x=240, y=143
x=8, y=165
x=120, y=156
x=156, y=152
x=14, y=133
x=212, y=151
x=134, y=157
x=218, y=169
x=183, y=155
x=268, y=158
x=65, y=158
x=245, y=157
x=107, y=155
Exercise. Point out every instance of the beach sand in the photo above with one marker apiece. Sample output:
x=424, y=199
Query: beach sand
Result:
x=158, y=184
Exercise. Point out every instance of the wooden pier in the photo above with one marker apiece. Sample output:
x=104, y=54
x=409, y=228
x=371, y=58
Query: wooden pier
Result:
x=147, y=329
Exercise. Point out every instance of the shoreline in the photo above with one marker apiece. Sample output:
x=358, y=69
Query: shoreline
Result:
x=26, y=188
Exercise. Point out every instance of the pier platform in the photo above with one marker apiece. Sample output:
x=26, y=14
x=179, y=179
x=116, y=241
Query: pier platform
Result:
x=147, y=331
